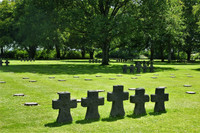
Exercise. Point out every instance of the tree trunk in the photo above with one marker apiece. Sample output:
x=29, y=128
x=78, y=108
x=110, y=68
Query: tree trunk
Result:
x=83, y=53
x=188, y=55
x=32, y=52
x=105, y=54
x=152, y=52
x=2, y=52
x=92, y=54
x=57, y=51
x=169, y=53
x=162, y=54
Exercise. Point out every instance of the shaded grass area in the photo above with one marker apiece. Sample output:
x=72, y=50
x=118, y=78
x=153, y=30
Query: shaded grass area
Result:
x=182, y=110
x=70, y=68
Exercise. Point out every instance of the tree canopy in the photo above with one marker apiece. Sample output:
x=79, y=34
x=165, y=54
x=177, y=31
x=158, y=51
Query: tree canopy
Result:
x=162, y=27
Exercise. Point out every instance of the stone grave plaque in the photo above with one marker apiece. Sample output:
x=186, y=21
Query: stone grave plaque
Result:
x=132, y=89
x=117, y=97
x=159, y=98
x=190, y=92
x=25, y=78
x=187, y=85
x=119, y=75
x=190, y=76
x=112, y=78
x=154, y=77
x=88, y=79
x=92, y=102
x=30, y=104
x=32, y=81
x=76, y=77
x=51, y=77
x=134, y=78
x=137, y=75
x=19, y=95
x=173, y=76
x=1, y=82
x=139, y=99
x=98, y=76
x=61, y=80
x=156, y=74
x=64, y=104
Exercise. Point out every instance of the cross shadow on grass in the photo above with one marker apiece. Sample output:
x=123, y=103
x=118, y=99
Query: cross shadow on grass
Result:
x=55, y=124
x=196, y=69
x=157, y=113
x=136, y=116
x=70, y=69
x=110, y=119
x=86, y=121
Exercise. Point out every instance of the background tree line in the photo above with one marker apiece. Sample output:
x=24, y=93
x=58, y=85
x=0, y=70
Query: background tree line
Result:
x=113, y=28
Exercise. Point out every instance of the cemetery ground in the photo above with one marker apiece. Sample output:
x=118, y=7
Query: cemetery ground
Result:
x=182, y=110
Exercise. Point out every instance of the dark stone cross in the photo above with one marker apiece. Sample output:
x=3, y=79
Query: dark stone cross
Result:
x=160, y=97
x=138, y=67
x=124, y=68
x=132, y=68
x=1, y=62
x=7, y=62
x=64, y=104
x=139, y=99
x=144, y=68
x=89, y=60
x=117, y=97
x=92, y=102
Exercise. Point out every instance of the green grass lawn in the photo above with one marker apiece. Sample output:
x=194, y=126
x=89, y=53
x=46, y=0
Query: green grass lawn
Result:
x=183, y=110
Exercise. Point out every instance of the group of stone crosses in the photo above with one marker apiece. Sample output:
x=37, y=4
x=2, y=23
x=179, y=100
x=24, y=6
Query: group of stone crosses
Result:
x=138, y=66
x=92, y=101
x=123, y=60
x=6, y=62
x=94, y=61
x=27, y=59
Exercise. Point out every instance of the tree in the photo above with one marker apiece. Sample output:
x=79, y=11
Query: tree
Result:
x=192, y=38
x=6, y=24
x=100, y=21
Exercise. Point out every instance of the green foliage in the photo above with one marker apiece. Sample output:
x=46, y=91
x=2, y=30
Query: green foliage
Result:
x=72, y=54
x=132, y=26
x=6, y=23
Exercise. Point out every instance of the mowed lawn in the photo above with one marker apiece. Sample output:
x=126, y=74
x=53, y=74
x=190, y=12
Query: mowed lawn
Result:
x=183, y=110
